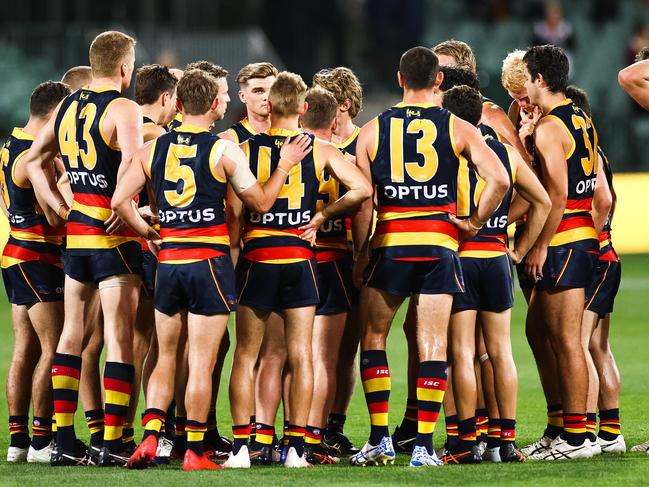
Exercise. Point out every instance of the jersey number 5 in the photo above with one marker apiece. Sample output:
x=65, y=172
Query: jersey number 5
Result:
x=417, y=171
x=175, y=172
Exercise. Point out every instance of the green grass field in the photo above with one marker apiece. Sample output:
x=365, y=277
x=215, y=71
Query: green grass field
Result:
x=629, y=342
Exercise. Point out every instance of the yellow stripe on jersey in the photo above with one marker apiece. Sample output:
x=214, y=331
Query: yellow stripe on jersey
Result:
x=573, y=235
x=414, y=238
x=101, y=214
x=97, y=241
x=480, y=254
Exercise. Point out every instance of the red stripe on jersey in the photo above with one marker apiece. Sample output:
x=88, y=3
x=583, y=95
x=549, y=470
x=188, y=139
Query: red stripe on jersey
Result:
x=292, y=231
x=42, y=230
x=96, y=200
x=213, y=231
x=604, y=236
x=450, y=208
x=277, y=253
x=585, y=204
x=169, y=255
x=28, y=255
x=575, y=222
x=76, y=228
x=437, y=226
x=330, y=255
x=495, y=246
x=610, y=254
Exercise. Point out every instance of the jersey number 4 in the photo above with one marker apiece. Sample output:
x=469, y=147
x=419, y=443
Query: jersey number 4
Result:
x=293, y=189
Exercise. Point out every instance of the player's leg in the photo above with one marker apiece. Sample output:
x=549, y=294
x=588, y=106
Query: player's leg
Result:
x=589, y=322
x=90, y=382
x=405, y=434
x=249, y=327
x=327, y=334
x=25, y=356
x=119, y=297
x=298, y=324
x=160, y=388
x=487, y=406
x=66, y=370
x=268, y=388
x=47, y=321
x=204, y=335
x=217, y=446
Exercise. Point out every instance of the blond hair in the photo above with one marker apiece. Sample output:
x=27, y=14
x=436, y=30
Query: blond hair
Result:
x=513, y=72
x=108, y=50
x=255, y=71
x=287, y=94
x=197, y=90
x=77, y=77
x=458, y=50
x=344, y=85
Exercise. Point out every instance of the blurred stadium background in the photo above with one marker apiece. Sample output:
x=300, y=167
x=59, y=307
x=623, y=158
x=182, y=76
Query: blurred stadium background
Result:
x=41, y=39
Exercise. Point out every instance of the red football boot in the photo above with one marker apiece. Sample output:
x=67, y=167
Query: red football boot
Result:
x=144, y=453
x=194, y=462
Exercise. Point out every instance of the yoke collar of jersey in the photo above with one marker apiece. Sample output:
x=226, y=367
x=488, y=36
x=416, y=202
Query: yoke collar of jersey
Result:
x=418, y=105
x=19, y=133
x=192, y=129
x=101, y=89
x=283, y=132
x=567, y=101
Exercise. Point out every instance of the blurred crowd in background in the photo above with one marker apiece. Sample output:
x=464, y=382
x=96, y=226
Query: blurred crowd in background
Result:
x=40, y=39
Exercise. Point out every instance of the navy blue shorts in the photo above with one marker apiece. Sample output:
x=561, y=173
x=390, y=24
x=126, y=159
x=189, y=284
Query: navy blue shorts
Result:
x=405, y=278
x=488, y=284
x=123, y=259
x=205, y=287
x=33, y=282
x=335, y=287
x=568, y=267
x=149, y=267
x=600, y=295
x=275, y=287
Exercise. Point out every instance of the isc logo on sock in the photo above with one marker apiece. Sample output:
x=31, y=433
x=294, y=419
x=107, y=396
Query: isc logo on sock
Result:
x=431, y=383
x=383, y=372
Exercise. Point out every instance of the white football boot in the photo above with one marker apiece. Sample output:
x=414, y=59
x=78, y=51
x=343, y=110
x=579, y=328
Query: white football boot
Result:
x=240, y=460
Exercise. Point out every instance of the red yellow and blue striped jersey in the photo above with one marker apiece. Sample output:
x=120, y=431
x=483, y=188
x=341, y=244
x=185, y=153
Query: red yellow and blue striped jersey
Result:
x=348, y=146
x=189, y=194
x=273, y=237
x=606, y=250
x=30, y=236
x=491, y=240
x=143, y=197
x=414, y=167
x=242, y=131
x=92, y=162
x=577, y=228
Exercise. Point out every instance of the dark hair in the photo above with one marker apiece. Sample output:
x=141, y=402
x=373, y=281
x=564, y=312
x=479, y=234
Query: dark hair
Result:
x=210, y=68
x=643, y=54
x=550, y=62
x=456, y=76
x=579, y=97
x=321, y=111
x=464, y=102
x=419, y=67
x=197, y=90
x=151, y=81
x=46, y=96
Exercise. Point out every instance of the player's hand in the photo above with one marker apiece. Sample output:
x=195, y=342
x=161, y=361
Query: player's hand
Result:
x=295, y=149
x=513, y=255
x=535, y=260
x=114, y=224
x=153, y=241
x=361, y=261
x=148, y=216
x=310, y=230
x=464, y=229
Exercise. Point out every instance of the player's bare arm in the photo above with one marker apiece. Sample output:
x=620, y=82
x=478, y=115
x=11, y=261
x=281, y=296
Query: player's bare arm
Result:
x=602, y=198
x=552, y=145
x=634, y=80
x=470, y=143
x=529, y=189
x=496, y=118
x=358, y=188
x=234, y=165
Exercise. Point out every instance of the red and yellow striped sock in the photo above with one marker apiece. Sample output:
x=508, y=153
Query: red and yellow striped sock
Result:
x=153, y=421
x=95, y=421
x=609, y=424
x=482, y=423
x=180, y=438
x=467, y=433
x=507, y=429
x=574, y=428
x=264, y=434
x=555, y=421
x=493, y=433
x=591, y=426
x=313, y=435
x=295, y=435
x=240, y=435
x=66, y=371
x=375, y=375
x=195, y=435
x=431, y=386
x=118, y=378
x=452, y=438
x=19, y=431
x=41, y=432
x=53, y=425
